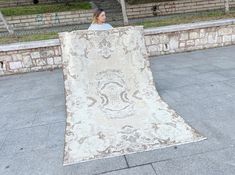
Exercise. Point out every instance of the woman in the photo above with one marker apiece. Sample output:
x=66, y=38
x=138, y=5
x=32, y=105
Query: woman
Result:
x=98, y=21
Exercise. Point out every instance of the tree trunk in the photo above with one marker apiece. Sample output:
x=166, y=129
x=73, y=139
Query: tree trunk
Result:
x=226, y=6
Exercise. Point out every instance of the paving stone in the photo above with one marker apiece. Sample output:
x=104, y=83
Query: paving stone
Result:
x=36, y=89
x=213, y=107
x=139, y=170
x=33, y=104
x=17, y=120
x=188, y=72
x=209, y=77
x=50, y=161
x=202, y=164
x=224, y=126
x=25, y=139
x=230, y=82
x=156, y=65
x=206, y=68
x=96, y=166
x=230, y=73
x=56, y=135
x=172, y=83
x=3, y=136
x=216, y=140
x=228, y=64
x=51, y=115
x=199, y=91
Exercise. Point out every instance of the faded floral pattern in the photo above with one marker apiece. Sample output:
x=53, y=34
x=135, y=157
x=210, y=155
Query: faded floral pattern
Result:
x=112, y=105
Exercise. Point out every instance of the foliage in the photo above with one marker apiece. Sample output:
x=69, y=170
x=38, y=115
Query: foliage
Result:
x=44, y=8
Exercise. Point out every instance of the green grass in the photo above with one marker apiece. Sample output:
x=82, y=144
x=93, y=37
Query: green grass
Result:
x=179, y=19
x=33, y=37
x=132, y=2
x=44, y=8
x=182, y=19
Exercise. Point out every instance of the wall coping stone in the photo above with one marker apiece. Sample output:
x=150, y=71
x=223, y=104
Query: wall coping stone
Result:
x=190, y=26
x=29, y=45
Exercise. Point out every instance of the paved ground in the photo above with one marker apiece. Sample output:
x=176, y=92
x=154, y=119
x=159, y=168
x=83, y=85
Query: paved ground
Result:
x=199, y=85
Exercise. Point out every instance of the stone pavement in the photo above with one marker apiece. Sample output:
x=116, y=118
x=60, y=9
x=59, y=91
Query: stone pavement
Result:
x=199, y=85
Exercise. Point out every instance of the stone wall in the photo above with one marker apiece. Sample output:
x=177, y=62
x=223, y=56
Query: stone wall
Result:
x=188, y=37
x=49, y=19
x=43, y=55
x=174, y=7
x=14, y=3
x=30, y=56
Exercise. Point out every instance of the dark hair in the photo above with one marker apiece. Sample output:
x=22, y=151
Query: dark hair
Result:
x=96, y=14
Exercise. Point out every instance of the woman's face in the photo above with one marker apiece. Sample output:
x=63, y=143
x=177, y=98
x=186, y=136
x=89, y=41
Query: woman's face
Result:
x=101, y=18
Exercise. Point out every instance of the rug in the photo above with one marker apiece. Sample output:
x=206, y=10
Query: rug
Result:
x=112, y=105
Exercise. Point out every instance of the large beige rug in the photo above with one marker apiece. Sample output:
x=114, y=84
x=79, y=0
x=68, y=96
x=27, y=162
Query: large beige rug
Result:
x=113, y=107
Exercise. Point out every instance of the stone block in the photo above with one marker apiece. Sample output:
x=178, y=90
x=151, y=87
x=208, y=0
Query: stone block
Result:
x=227, y=38
x=174, y=43
x=190, y=42
x=212, y=38
x=164, y=38
x=182, y=44
x=35, y=55
x=50, y=61
x=40, y=62
x=16, y=57
x=193, y=35
x=225, y=31
x=15, y=65
x=184, y=36
x=148, y=40
x=46, y=53
x=27, y=61
x=6, y=58
x=155, y=39
x=57, y=60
